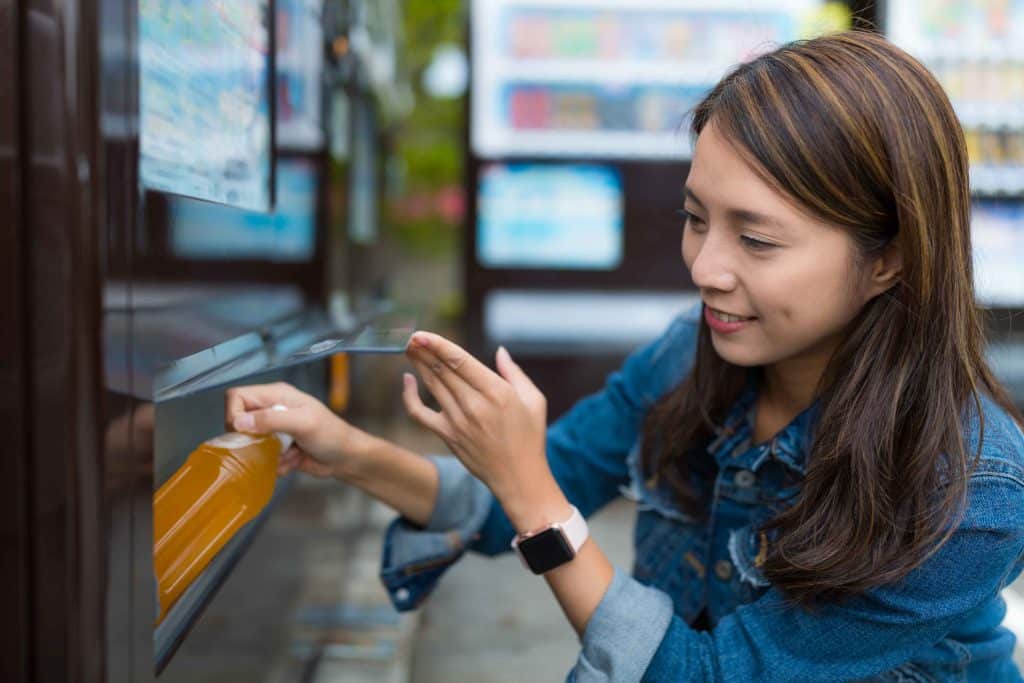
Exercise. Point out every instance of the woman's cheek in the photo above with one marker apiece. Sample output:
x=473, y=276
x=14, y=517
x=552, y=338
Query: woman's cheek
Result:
x=689, y=249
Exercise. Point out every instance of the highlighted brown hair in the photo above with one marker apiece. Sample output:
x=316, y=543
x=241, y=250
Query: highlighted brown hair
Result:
x=861, y=135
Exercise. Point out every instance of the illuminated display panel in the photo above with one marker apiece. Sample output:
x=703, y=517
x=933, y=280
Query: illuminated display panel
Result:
x=998, y=246
x=201, y=230
x=549, y=216
x=204, y=100
x=614, y=79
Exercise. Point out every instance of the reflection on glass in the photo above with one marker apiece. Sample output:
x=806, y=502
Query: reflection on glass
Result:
x=200, y=230
x=300, y=50
x=204, y=100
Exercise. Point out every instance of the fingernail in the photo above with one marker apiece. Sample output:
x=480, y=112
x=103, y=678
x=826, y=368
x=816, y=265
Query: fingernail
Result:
x=504, y=352
x=244, y=422
x=420, y=339
x=407, y=378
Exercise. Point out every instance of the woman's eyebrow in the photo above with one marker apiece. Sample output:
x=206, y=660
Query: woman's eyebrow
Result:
x=740, y=215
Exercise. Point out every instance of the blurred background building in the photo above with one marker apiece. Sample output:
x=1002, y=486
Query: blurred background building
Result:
x=199, y=195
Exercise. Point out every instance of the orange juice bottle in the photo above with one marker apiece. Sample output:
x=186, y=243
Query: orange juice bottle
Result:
x=224, y=484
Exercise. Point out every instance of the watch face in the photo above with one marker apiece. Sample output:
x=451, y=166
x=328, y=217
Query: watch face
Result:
x=546, y=550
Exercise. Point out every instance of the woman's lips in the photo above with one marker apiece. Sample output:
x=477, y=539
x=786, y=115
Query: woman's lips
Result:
x=723, y=327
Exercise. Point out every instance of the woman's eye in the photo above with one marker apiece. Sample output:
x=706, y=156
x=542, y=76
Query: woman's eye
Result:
x=689, y=218
x=756, y=245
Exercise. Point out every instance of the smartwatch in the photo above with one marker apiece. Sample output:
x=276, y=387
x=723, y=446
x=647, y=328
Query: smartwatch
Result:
x=553, y=545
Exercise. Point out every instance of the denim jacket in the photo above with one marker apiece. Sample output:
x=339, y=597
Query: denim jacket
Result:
x=940, y=623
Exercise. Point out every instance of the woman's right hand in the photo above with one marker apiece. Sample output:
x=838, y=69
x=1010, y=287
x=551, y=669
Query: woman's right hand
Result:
x=325, y=445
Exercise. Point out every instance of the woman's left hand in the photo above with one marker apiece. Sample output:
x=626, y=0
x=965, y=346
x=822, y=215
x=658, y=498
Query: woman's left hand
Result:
x=494, y=423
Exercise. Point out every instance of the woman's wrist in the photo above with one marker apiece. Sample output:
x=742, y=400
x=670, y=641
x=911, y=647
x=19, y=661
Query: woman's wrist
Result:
x=354, y=457
x=535, y=505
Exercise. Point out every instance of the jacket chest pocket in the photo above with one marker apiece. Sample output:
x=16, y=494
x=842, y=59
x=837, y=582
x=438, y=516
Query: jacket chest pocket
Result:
x=745, y=500
x=769, y=484
x=669, y=544
x=668, y=557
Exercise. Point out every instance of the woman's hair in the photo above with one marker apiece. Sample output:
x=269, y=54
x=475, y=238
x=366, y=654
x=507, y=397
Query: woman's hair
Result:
x=862, y=136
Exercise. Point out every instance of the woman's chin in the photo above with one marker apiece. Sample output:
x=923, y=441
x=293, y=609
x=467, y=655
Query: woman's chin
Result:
x=736, y=353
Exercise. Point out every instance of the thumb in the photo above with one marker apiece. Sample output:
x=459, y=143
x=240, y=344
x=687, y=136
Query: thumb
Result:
x=270, y=420
x=511, y=371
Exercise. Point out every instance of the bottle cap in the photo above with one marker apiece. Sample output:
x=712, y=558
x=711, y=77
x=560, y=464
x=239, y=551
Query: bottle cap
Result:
x=285, y=439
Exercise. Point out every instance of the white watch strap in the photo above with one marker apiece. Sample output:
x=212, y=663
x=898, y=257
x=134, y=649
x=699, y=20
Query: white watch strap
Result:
x=576, y=530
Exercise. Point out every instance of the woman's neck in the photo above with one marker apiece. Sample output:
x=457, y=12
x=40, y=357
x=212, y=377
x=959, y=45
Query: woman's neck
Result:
x=791, y=384
x=787, y=391
x=787, y=388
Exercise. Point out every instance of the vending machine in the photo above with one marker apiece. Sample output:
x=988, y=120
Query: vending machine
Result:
x=164, y=219
x=976, y=50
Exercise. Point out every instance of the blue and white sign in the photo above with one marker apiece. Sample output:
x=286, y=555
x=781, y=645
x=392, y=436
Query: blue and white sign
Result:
x=550, y=216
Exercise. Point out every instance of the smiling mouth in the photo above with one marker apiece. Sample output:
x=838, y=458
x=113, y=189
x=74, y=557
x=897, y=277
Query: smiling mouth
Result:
x=728, y=317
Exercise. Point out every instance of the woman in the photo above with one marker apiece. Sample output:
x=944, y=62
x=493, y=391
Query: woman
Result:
x=830, y=480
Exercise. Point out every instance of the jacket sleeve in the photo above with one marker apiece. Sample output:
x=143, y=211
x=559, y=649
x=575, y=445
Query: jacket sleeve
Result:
x=586, y=449
x=892, y=626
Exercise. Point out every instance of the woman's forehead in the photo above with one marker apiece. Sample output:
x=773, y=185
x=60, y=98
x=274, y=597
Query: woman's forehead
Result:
x=718, y=167
x=723, y=179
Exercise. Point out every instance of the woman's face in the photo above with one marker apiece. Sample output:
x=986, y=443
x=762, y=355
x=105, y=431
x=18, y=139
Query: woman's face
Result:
x=753, y=254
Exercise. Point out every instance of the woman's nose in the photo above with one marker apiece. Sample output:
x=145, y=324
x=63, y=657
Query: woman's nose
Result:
x=712, y=267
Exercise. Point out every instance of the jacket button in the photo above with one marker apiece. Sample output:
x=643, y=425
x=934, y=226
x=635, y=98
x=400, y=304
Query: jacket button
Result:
x=723, y=569
x=744, y=479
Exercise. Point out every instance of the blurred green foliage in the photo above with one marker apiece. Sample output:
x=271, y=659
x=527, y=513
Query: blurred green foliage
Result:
x=426, y=145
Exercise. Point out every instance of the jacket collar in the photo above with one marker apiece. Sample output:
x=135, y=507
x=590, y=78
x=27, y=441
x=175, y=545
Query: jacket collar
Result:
x=732, y=444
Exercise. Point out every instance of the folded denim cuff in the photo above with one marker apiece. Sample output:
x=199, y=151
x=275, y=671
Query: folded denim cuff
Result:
x=460, y=495
x=414, y=558
x=413, y=561
x=624, y=632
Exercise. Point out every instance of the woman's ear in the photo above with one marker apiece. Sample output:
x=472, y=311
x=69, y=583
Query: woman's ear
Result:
x=886, y=269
